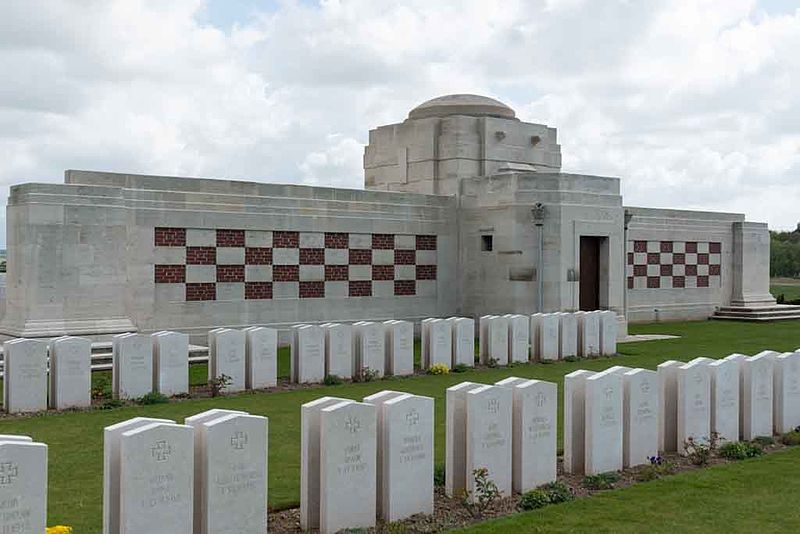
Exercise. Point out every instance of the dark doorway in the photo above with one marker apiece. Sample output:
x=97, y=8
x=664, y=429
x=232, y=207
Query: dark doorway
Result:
x=590, y=273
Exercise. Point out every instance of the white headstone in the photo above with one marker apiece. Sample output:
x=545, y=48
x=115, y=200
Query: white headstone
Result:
x=405, y=454
x=399, y=347
x=463, y=329
x=547, y=327
x=489, y=436
x=725, y=399
x=535, y=405
x=668, y=405
x=156, y=479
x=132, y=365
x=70, y=373
x=25, y=375
x=588, y=334
x=640, y=416
x=348, y=470
x=308, y=354
x=518, y=338
x=227, y=357
x=483, y=338
x=786, y=392
x=369, y=348
x=455, y=471
x=309, y=460
x=496, y=340
x=567, y=335
x=233, y=481
x=440, y=343
x=604, y=430
x=338, y=350
x=23, y=486
x=170, y=363
x=608, y=332
x=424, y=343
x=261, y=357
x=575, y=420
x=111, y=469
x=694, y=404
x=756, y=399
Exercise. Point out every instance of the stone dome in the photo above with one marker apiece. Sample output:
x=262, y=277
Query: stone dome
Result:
x=474, y=105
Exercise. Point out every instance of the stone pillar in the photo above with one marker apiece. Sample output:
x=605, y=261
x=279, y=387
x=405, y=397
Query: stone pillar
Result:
x=751, y=265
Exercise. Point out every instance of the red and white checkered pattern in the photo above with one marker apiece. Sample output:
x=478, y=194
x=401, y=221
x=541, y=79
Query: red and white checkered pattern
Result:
x=673, y=264
x=225, y=264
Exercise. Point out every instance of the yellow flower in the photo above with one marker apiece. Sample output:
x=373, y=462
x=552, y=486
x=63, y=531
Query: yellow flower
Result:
x=438, y=369
x=58, y=529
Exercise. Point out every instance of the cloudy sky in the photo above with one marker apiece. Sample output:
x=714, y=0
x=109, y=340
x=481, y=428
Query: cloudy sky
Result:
x=695, y=104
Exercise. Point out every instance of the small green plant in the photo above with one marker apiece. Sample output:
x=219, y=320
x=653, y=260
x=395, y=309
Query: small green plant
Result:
x=486, y=493
x=558, y=492
x=332, y=380
x=492, y=363
x=110, y=404
x=571, y=359
x=533, y=499
x=438, y=475
x=656, y=468
x=764, y=440
x=601, y=481
x=460, y=368
x=791, y=438
x=700, y=453
x=438, y=369
x=740, y=450
x=153, y=397
x=101, y=387
x=217, y=384
x=366, y=374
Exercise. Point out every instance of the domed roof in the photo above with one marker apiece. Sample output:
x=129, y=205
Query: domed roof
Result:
x=475, y=105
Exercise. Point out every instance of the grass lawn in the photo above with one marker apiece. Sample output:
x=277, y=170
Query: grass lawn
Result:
x=757, y=495
x=789, y=291
x=76, y=445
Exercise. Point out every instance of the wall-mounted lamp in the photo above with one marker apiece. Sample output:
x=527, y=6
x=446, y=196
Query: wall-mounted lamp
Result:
x=535, y=140
x=538, y=212
x=500, y=135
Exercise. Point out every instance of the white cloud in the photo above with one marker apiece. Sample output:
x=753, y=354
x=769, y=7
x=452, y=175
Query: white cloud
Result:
x=692, y=103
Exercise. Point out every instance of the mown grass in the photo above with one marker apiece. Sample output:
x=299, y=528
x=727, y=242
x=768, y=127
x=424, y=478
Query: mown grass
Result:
x=790, y=292
x=75, y=439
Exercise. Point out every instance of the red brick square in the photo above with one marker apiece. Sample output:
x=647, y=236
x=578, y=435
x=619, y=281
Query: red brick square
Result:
x=383, y=272
x=312, y=256
x=715, y=247
x=360, y=288
x=201, y=291
x=312, y=290
x=426, y=272
x=258, y=256
x=630, y=258
x=169, y=274
x=640, y=270
x=285, y=239
x=404, y=288
x=201, y=256
x=230, y=238
x=170, y=237
x=702, y=281
x=640, y=246
x=666, y=270
x=653, y=282
x=702, y=259
x=336, y=273
x=630, y=282
x=691, y=247
x=691, y=270
x=230, y=273
x=678, y=281
x=337, y=240
x=679, y=258
x=714, y=270
x=426, y=242
x=285, y=273
x=666, y=246
x=383, y=241
x=405, y=257
x=258, y=290
x=653, y=258
x=360, y=256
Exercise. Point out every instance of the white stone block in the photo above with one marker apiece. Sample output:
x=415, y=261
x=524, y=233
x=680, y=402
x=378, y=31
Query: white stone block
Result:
x=369, y=348
x=547, y=327
x=567, y=335
x=640, y=416
x=308, y=354
x=463, y=329
x=425, y=346
x=608, y=332
x=518, y=338
x=405, y=454
x=111, y=469
x=786, y=392
x=70, y=373
x=535, y=404
x=604, y=431
x=23, y=486
x=456, y=438
x=668, y=405
x=756, y=396
x=226, y=356
x=694, y=404
x=156, y=479
x=588, y=334
x=489, y=436
x=132, y=365
x=399, y=347
x=170, y=363
x=339, y=350
x=261, y=357
x=725, y=399
x=440, y=343
x=25, y=375
x=575, y=420
x=494, y=339
x=348, y=470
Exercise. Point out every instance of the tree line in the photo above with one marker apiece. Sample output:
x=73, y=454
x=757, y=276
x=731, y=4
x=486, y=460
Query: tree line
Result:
x=785, y=253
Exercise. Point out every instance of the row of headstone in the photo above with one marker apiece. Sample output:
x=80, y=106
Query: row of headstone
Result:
x=508, y=428
x=349, y=350
x=23, y=484
x=363, y=460
x=449, y=342
x=547, y=336
x=248, y=357
x=26, y=379
x=205, y=476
